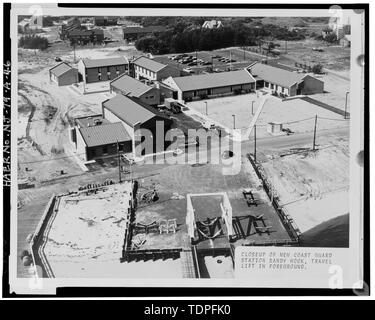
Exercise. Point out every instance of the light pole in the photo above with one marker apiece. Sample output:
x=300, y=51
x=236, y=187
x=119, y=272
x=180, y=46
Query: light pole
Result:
x=255, y=142
x=252, y=107
x=206, y=108
x=234, y=121
x=316, y=119
x=118, y=161
x=346, y=103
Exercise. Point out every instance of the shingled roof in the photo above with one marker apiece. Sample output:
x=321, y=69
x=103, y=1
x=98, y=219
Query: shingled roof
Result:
x=129, y=85
x=275, y=75
x=98, y=63
x=213, y=80
x=128, y=109
x=149, y=64
x=60, y=69
x=103, y=134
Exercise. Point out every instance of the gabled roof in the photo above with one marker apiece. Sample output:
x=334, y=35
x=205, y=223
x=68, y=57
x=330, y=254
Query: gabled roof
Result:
x=275, y=75
x=128, y=109
x=60, y=69
x=130, y=86
x=211, y=24
x=213, y=80
x=149, y=64
x=97, y=63
x=104, y=134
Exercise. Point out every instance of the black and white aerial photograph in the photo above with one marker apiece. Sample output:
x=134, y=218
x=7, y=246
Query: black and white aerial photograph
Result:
x=179, y=146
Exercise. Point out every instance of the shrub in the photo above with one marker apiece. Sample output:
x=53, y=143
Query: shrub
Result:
x=317, y=68
x=33, y=42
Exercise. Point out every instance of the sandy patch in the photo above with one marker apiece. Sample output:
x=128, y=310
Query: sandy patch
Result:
x=88, y=228
x=315, y=187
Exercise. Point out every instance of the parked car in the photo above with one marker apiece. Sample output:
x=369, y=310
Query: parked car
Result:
x=188, y=70
x=287, y=131
x=58, y=59
x=193, y=63
x=208, y=125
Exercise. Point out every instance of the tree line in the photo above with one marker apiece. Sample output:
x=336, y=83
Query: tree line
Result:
x=33, y=41
x=185, y=37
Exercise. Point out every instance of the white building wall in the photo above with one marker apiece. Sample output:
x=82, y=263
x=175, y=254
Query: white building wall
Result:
x=110, y=116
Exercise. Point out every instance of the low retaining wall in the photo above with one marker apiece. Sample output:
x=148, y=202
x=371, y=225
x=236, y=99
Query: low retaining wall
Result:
x=274, y=243
x=150, y=254
x=36, y=253
x=289, y=224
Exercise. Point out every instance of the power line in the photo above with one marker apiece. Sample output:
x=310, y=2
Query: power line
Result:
x=333, y=119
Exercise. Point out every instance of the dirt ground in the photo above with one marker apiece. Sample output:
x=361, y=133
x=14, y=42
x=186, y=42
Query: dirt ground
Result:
x=336, y=85
x=334, y=57
x=87, y=227
x=297, y=115
x=46, y=110
x=313, y=186
x=288, y=112
x=183, y=179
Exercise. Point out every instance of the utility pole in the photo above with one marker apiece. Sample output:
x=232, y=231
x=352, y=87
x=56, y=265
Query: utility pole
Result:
x=255, y=142
x=316, y=119
x=118, y=161
x=346, y=103
x=74, y=51
x=206, y=108
x=234, y=121
x=244, y=57
x=252, y=107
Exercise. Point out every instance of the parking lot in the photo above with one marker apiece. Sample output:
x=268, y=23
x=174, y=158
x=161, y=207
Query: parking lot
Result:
x=206, y=61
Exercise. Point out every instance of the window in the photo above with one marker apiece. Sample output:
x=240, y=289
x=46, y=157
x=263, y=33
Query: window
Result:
x=100, y=77
x=99, y=70
x=105, y=149
x=121, y=147
x=272, y=86
x=266, y=84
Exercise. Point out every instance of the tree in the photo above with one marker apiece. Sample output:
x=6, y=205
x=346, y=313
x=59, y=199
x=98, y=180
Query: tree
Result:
x=330, y=38
x=317, y=68
x=33, y=42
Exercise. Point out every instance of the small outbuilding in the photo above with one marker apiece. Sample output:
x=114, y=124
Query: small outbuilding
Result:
x=274, y=128
x=94, y=137
x=63, y=74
